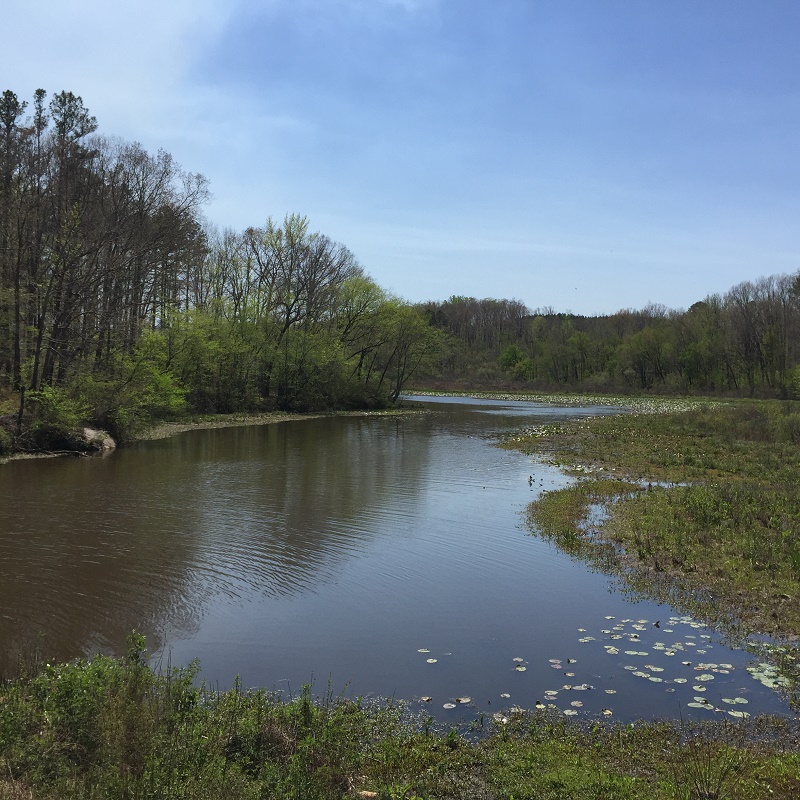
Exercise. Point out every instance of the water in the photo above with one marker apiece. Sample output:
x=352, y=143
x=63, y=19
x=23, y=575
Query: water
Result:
x=333, y=551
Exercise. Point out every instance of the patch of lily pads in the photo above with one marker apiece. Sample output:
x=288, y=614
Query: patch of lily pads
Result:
x=639, y=641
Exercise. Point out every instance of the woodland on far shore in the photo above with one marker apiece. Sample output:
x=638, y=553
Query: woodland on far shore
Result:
x=120, y=305
x=745, y=342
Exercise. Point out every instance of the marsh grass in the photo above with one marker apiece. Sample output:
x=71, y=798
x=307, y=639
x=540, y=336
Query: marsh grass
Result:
x=114, y=728
x=707, y=516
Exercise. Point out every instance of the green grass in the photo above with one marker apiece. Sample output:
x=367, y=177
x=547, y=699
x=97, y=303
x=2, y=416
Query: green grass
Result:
x=701, y=507
x=113, y=728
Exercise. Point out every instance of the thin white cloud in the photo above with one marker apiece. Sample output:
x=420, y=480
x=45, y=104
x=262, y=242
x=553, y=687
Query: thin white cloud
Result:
x=130, y=62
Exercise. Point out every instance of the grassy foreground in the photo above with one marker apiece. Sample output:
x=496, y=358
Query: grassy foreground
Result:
x=113, y=728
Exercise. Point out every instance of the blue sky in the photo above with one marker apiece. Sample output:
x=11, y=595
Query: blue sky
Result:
x=584, y=155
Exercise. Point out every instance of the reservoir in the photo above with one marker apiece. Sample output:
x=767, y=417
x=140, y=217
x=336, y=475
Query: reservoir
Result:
x=380, y=556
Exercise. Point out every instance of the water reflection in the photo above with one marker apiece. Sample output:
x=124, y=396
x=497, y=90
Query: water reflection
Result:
x=333, y=547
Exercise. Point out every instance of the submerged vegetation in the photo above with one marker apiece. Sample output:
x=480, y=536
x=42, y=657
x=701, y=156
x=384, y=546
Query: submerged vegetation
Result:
x=114, y=728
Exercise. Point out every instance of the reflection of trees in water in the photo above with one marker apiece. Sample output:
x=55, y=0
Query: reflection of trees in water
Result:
x=282, y=506
x=91, y=549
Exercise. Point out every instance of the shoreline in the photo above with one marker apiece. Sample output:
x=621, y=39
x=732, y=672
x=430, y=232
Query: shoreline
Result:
x=165, y=430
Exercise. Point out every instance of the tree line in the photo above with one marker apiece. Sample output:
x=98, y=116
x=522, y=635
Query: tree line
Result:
x=119, y=303
x=745, y=342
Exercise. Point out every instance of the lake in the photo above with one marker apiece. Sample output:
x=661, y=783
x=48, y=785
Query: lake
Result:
x=385, y=556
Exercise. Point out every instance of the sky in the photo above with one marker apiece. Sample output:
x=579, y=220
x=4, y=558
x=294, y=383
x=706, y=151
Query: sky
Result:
x=580, y=155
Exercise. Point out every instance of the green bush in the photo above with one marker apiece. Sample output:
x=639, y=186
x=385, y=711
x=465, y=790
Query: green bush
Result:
x=56, y=417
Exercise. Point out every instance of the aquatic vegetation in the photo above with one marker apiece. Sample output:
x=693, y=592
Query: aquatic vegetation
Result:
x=114, y=728
x=706, y=518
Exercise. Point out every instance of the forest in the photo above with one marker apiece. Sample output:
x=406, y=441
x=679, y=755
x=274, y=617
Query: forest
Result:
x=745, y=342
x=120, y=304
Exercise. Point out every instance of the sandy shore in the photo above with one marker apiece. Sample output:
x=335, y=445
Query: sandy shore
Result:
x=166, y=429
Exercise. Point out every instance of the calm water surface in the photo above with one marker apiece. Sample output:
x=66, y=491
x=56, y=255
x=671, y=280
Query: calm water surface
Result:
x=385, y=555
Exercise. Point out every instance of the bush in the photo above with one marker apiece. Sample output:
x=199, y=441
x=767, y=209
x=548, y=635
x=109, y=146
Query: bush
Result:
x=56, y=417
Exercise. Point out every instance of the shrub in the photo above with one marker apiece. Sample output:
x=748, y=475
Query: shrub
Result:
x=56, y=417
